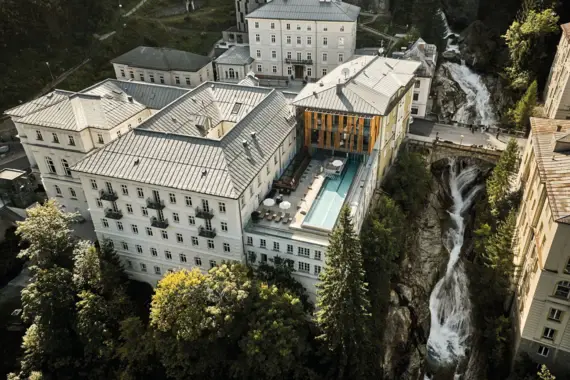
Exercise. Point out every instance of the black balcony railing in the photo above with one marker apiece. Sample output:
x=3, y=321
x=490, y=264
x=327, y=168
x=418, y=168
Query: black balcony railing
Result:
x=158, y=223
x=108, y=195
x=113, y=214
x=154, y=204
x=299, y=61
x=204, y=214
x=207, y=233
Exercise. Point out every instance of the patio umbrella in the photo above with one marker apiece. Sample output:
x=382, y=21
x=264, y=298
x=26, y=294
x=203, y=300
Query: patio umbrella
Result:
x=337, y=163
x=269, y=202
x=284, y=205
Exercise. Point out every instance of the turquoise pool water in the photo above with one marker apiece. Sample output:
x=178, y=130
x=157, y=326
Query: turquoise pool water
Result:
x=326, y=207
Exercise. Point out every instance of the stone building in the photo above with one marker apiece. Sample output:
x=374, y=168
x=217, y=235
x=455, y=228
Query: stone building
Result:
x=557, y=90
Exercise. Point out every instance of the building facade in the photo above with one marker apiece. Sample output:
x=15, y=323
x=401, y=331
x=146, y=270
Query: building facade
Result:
x=234, y=64
x=557, y=90
x=164, y=66
x=60, y=128
x=298, y=39
x=541, y=309
x=243, y=8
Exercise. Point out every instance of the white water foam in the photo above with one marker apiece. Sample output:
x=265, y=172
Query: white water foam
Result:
x=449, y=303
x=449, y=35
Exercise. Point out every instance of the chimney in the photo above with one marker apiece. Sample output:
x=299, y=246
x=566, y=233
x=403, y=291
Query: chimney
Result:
x=130, y=98
x=339, y=88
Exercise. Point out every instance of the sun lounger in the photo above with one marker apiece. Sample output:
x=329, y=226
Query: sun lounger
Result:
x=278, y=217
x=269, y=216
x=287, y=218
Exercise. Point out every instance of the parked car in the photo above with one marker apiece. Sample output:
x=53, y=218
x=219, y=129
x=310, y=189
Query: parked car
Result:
x=4, y=149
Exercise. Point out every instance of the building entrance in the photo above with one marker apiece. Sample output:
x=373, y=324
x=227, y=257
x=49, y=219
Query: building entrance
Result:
x=298, y=72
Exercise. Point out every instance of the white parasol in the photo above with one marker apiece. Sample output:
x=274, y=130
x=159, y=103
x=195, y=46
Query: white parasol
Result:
x=284, y=205
x=337, y=163
x=269, y=202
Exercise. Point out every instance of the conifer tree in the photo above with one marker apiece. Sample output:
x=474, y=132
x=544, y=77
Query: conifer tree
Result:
x=499, y=185
x=521, y=113
x=343, y=304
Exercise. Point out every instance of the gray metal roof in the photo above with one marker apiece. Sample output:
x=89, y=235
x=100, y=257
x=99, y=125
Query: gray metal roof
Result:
x=161, y=153
x=165, y=59
x=236, y=55
x=38, y=104
x=314, y=10
x=553, y=167
x=249, y=80
x=368, y=85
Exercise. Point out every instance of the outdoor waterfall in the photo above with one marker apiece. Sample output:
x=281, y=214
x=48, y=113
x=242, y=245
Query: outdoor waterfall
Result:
x=449, y=304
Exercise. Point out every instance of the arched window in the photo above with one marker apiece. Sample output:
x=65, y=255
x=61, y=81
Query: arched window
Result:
x=562, y=289
x=66, y=169
x=232, y=74
x=50, y=165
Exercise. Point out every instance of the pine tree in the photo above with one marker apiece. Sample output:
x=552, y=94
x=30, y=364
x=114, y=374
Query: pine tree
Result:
x=499, y=185
x=521, y=113
x=343, y=305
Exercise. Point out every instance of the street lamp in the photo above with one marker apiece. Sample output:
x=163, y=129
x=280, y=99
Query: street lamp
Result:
x=47, y=64
x=461, y=142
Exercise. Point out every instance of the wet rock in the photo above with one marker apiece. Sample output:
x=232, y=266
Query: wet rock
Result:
x=460, y=13
x=396, y=336
x=405, y=293
x=479, y=46
x=394, y=298
x=448, y=96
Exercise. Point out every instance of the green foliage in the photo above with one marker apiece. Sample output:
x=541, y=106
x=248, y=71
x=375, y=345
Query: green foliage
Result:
x=499, y=333
x=544, y=374
x=522, y=111
x=409, y=183
x=499, y=253
x=10, y=264
x=344, y=325
x=499, y=185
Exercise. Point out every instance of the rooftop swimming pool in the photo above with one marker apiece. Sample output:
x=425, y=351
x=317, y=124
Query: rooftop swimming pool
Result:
x=326, y=207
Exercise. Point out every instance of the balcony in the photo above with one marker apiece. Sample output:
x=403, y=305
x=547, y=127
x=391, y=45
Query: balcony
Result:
x=155, y=222
x=207, y=233
x=113, y=214
x=204, y=214
x=154, y=204
x=107, y=195
x=299, y=61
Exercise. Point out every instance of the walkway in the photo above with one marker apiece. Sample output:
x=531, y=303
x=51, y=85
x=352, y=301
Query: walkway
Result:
x=47, y=88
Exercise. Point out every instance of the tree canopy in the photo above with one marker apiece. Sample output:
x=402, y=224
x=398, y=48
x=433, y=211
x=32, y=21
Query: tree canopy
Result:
x=500, y=184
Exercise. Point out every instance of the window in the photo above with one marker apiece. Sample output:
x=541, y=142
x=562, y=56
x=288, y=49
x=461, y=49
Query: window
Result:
x=94, y=184
x=342, y=28
x=276, y=246
x=324, y=72
x=289, y=248
x=164, y=234
x=299, y=40
x=299, y=56
x=548, y=333
x=562, y=289
x=416, y=96
x=168, y=255
x=55, y=139
x=317, y=255
x=71, y=140
x=124, y=189
x=414, y=111
x=222, y=207
x=125, y=246
x=309, y=28
x=39, y=136
x=100, y=138
x=224, y=226
x=175, y=217
x=50, y=165
x=129, y=208
x=112, y=244
x=555, y=314
x=194, y=240
x=273, y=54
x=298, y=27
x=274, y=69
x=198, y=261
x=162, y=79
x=259, y=68
x=120, y=226
x=288, y=40
x=262, y=243
x=257, y=38
x=149, y=231
x=263, y=258
x=123, y=73
x=272, y=25
x=211, y=244
x=156, y=270
x=72, y=193
x=105, y=223
x=179, y=238
x=340, y=58
x=417, y=84
x=135, y=229
x=141, y=76
x=172, y=198
x=305, y=252
x=132, y=74
x=139, y=248
x=309, y=73
x=144, y=211
x=543, y=351
x=188, y=83
x=177, y=79
x=317, y=270
x=325, y=41
x=226, y=247
x=188, y=201
x=57, y=190
x=140, y=192
x=273, y=38
x=191, y=220
x=325, y=57
x=341, y=41
x=258, y=53
x=143, y=265
x=304, y=267
x=99, y=203
x=153, y=252
x=213, y=264
x=151, y=76
x=183, y=258
x=567, y=269
x=129, y=264
x=249, y=240
x=309, y=56
x=256, y=24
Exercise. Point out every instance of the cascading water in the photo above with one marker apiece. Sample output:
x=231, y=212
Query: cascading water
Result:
x=449, y=304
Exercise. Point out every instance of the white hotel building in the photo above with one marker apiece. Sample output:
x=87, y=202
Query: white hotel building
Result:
x=298, y=39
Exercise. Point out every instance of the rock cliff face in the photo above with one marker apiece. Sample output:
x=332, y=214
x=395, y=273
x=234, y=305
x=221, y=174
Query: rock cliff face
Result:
x=460, y=13
x=448, y=96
